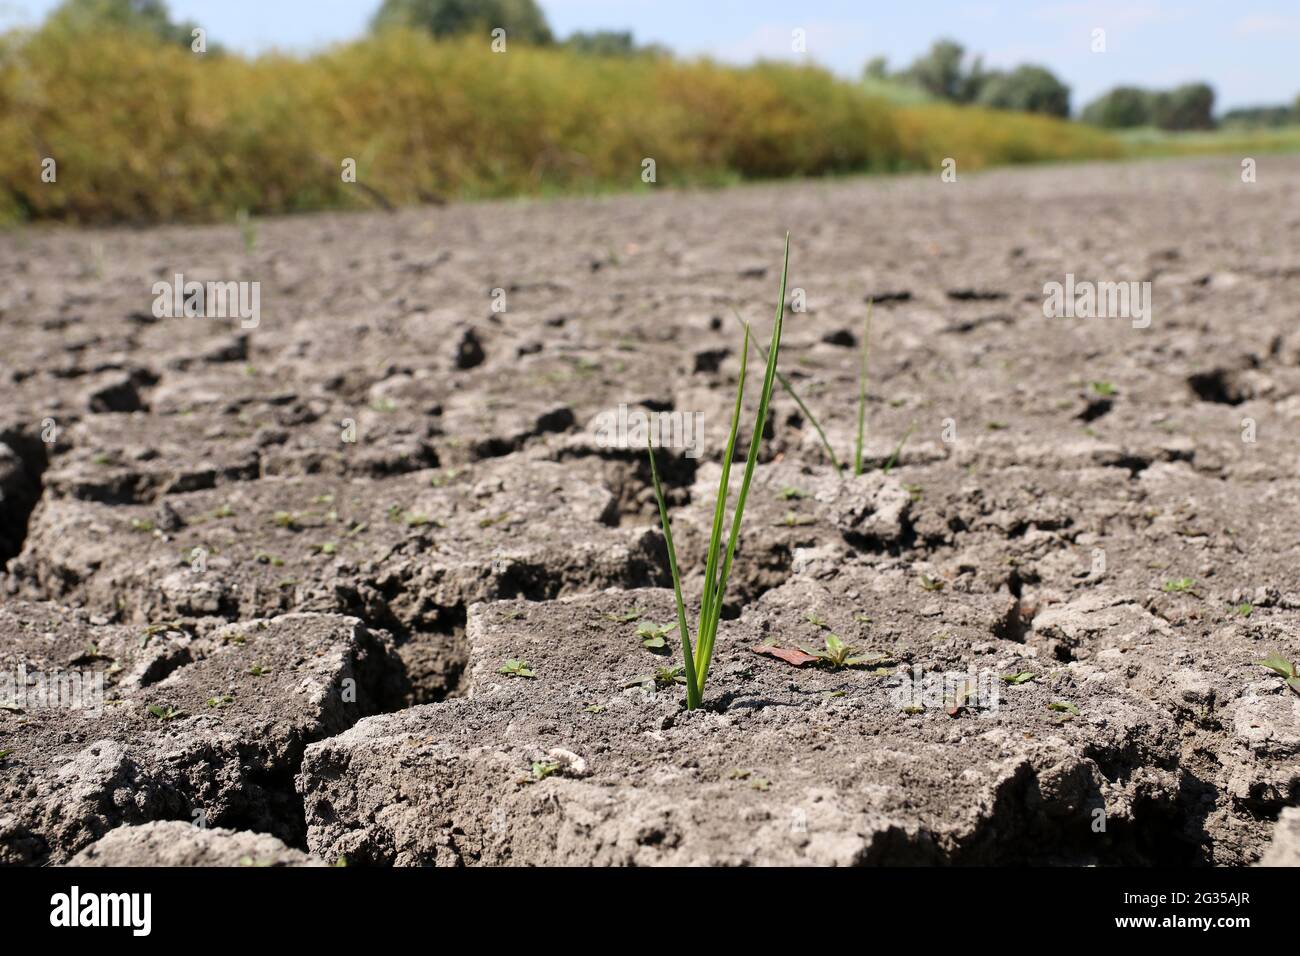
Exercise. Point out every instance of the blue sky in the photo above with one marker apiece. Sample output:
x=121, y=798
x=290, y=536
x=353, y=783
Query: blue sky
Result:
x=1248, y=49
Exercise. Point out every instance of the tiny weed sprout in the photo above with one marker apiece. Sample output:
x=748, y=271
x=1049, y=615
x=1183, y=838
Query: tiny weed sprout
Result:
x=544, y=768
x=626, y=617
x=1284, y=667
x=5, y=753
x=1064, y=708
x=1019, y=677
x=516, y=668
x=165, y=713
x=1179, y=586
x=653, y=636
x=837, y=654
x=717, y=568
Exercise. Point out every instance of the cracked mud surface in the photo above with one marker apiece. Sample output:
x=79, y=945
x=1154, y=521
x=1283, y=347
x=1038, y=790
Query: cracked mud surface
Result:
x=301, y=636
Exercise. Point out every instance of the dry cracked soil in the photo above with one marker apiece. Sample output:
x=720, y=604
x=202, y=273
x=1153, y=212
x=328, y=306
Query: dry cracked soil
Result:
x=298, y=557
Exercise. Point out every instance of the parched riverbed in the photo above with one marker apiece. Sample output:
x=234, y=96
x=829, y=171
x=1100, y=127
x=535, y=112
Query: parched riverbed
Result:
x=296, y=550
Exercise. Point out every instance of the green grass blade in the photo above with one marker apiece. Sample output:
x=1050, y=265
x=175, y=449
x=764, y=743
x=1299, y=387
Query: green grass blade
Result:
x=789, y=390
x=708, y=637
x=720, y=506
x=899, y=448
x=862, y=391
x=693, y=689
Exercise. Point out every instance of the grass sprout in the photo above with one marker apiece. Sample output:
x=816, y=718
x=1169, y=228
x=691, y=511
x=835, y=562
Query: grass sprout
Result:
x=807, y=412
x=696, y=660
x=858, y=463
x=862, y=392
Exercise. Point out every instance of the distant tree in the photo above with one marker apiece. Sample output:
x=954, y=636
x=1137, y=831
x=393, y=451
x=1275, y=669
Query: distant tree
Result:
x=972, y=84
x=1124, y=107
x=877, y=68
x=1030, y=89
x=1190, y=106
x=939, y=72
x=611, y=43
x=146, y=16
x=1257, y=117
x=521, y=19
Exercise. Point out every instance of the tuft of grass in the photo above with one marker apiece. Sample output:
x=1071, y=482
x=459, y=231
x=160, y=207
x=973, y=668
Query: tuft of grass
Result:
x=696, y=660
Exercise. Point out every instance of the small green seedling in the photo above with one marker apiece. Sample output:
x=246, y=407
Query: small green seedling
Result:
x=594, y=709
x=1064, y=708
x=286, y=520
x=165, y=714
x=544, y=768
x=793, y=494
x=220, y=701
x=663, y=677
x=1179, y=586
x=653, y=635
x=626, y=617
x=142, y=525
x=697, y=658
x=516, y=668
x=5, y=753
x=1105, y=388
x=153, y=630
x=1244, y=610
x=257, y=670
x=931, y=584
x=1284, y=667
x=1020, y=677
x=837, y=654
x=817, y=621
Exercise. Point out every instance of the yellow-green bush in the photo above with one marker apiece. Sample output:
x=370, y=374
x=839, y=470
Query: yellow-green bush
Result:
x=144, y=131
x=978, y=137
